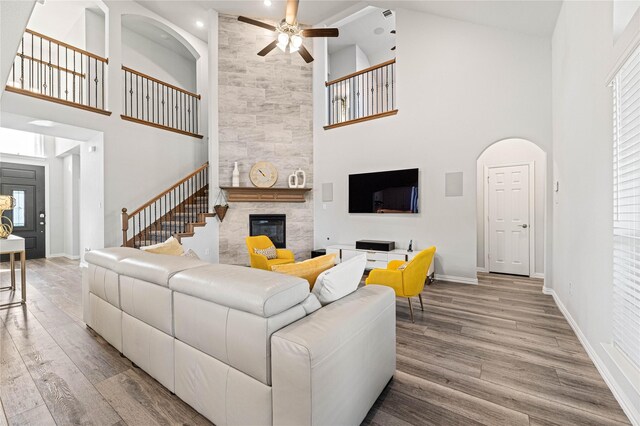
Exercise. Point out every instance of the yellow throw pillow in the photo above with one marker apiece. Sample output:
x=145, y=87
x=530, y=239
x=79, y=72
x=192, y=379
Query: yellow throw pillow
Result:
x=171, y=247
x=309, y=269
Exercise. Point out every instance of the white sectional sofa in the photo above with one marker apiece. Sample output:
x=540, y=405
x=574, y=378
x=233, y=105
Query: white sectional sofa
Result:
x=243, y=346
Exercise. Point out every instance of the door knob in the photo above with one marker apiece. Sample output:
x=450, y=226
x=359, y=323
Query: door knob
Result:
x=525, y=226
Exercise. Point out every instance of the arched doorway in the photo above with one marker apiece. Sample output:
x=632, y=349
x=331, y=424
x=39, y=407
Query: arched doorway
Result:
x=511, y=180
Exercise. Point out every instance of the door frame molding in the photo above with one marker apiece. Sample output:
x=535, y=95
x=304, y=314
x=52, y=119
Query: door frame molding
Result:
x=532, y=212
x=44, y=162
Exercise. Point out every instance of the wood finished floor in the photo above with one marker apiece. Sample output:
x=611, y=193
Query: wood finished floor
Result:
x=499, y=353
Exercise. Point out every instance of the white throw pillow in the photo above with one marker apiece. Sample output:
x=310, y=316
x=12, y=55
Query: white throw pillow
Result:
x=339, y=281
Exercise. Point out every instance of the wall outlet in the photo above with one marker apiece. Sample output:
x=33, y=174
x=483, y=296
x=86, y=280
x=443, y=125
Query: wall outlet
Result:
x=207, y=251
x=570, y=288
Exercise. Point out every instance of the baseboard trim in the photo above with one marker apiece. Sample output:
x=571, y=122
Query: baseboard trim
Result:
x=454, y=279
x=485, y=270
x=632, y=413
x=539, y=275
x=68, y=256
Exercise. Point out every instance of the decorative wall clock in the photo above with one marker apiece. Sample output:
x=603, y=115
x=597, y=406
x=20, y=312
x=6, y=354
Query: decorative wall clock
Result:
x=263, y=174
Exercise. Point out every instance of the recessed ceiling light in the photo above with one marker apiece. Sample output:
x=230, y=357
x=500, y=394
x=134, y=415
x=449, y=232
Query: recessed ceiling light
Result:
x=378, y=31
x=42, y=123
x=267, y=2
x=200, y=24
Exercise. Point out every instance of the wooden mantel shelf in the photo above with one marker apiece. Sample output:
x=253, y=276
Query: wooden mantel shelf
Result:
x=265, y=195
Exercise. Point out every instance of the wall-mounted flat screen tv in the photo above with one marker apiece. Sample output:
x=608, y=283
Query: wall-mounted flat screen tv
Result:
x=384, y=192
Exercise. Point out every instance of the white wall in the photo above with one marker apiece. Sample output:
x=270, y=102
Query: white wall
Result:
x=362, y=61
x=71, y=182
x=581, y=276
x=142, y=54
x=63, y=20
x=139, y=161
x=460, y=88
x=514, y=151
x=14, y=16
x=346, y=61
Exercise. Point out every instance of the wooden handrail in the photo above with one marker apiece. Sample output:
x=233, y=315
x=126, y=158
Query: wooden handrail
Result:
x=164, y=83
x=67, y=70
x=63, y=44
x=172, y=187
x=366, y=70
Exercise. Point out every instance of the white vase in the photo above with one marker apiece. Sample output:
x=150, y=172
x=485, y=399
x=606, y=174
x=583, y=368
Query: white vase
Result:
x=301, y=177
x=235, y=179
x=293, y=180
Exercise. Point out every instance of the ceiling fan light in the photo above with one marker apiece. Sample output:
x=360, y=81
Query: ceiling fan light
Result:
x=282, y=46
x=293, y=48
x=296, y=41
x=283, y=39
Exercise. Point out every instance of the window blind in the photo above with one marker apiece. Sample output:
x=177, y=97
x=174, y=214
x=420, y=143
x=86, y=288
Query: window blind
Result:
x=626, y=209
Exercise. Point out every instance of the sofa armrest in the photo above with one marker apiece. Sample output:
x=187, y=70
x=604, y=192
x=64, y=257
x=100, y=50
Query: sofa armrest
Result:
x=285, y=254
x=331, y=366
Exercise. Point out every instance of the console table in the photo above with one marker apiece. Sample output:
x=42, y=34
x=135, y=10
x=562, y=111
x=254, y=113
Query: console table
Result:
x=15, y=245
x=375, y=259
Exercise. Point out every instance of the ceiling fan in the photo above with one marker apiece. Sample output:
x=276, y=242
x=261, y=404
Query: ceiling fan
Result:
x=290, y=35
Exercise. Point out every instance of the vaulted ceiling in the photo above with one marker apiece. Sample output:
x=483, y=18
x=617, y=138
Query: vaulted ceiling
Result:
x=535, y=17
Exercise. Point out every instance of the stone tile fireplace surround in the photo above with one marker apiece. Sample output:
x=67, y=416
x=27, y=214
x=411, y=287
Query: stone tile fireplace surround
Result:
x=266, y=114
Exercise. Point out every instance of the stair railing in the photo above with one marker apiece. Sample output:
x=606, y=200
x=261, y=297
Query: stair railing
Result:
x=56, y=71
x=156, y=103
x=364, y=95
x=169, y=212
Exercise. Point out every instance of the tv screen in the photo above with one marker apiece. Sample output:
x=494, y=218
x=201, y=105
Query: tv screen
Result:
x=384, y=192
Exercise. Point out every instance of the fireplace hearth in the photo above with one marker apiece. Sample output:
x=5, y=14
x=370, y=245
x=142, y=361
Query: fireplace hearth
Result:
x=273, y=226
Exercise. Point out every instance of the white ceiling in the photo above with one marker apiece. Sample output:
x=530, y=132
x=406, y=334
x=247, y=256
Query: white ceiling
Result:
x=371, y=31
x=20, y=122
x=536, y=17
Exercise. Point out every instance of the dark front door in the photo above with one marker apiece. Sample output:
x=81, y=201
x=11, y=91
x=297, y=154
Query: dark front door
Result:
x=26, y=185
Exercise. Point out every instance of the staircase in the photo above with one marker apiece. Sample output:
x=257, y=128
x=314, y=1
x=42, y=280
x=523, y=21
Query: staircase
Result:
x=176, y=212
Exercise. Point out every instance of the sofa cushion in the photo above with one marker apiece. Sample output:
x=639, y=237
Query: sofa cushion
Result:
x=156, y=268
x=309, y=269
x=250, y=290
x=109, y=257
x=341, y=280
x=171, y=247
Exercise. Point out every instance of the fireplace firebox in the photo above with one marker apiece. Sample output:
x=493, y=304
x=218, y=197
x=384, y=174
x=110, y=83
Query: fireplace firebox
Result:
x=273, y=226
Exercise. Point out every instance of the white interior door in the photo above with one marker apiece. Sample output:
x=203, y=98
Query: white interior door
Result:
x=509, y=222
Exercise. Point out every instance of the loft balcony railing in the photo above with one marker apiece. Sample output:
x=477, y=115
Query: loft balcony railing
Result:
x=364, y=95
x=156, y=103
x=53, y=70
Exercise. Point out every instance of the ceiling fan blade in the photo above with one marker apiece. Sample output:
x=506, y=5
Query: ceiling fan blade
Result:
x=305, y=54
x=268, y=48
x=292, y=12
x=320, y=32
x=256, y=23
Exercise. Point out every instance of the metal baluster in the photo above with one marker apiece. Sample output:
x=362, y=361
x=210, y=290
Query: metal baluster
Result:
x=155, y=216
x=393, y=80
x=95, y=61
x=74, y=75
x=153, y=109
x=59, y=73
x=137, y=96
x=80, y=80
x=162, y=88
x=147, y=99
x=22, y=64
x=197, y=114
x=88, y=80
x=125, y=93
x=102, y=84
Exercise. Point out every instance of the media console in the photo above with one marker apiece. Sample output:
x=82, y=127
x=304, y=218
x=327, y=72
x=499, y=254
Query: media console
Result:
x=375, y=258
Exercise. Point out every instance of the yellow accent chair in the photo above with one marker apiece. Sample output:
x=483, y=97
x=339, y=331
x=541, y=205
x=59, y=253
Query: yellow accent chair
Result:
x=408, y=281
x=260, y=261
